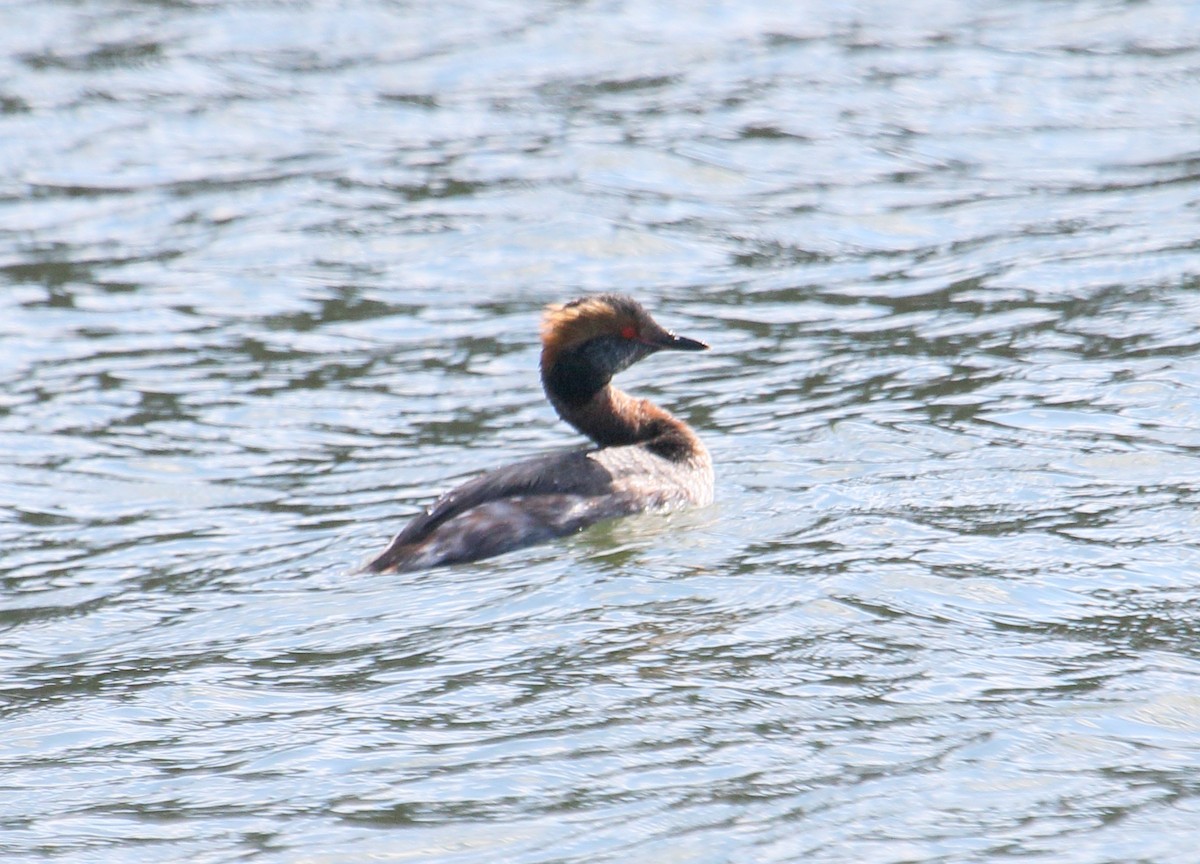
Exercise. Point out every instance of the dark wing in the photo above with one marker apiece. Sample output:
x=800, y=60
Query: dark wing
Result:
x=574, y=473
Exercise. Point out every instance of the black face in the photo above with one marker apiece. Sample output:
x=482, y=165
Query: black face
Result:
x=583, y=371
x=615, y=353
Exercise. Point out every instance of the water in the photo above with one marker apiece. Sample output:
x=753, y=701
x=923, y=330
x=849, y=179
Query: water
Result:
x=271, y=276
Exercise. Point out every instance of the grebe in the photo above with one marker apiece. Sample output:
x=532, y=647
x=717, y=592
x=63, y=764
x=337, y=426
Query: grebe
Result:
x=645, y=458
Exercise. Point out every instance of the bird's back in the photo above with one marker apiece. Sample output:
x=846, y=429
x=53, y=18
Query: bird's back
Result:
x=538, y=499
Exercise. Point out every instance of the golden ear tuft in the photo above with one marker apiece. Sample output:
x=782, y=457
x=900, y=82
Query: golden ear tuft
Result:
x=565, y=325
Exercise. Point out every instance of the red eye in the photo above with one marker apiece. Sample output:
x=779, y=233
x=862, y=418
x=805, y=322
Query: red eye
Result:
x=628, y=333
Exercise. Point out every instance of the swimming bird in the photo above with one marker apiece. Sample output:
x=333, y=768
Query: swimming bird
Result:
x=644, y=458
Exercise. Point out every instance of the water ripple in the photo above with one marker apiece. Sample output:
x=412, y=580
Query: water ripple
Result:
x=272, y=278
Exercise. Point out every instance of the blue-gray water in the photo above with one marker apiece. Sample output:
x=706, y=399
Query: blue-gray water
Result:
x=270, y=277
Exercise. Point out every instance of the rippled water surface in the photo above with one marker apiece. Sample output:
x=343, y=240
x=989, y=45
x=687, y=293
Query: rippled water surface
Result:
x=270, y=277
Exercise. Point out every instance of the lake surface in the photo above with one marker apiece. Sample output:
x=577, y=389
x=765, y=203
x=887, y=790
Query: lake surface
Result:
x=270, y=280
